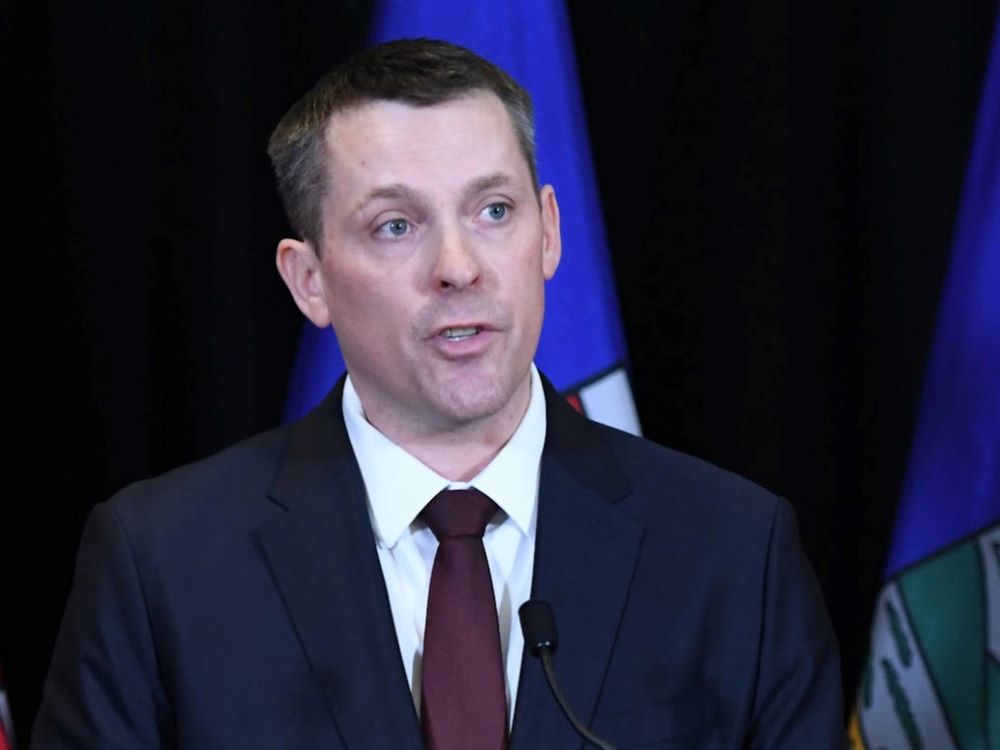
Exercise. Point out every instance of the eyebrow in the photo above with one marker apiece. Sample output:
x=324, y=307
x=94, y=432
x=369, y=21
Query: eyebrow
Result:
x=395, y=191
x=399, y=191
x=487, y=182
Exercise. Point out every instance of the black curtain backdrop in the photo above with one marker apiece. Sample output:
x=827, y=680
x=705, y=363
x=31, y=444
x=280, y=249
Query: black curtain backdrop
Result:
x=779, y=182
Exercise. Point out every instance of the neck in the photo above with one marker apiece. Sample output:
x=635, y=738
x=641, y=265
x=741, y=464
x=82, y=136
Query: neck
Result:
x=456, y=458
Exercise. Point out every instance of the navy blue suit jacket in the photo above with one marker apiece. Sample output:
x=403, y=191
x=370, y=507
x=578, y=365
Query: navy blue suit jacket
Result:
x=239, y=603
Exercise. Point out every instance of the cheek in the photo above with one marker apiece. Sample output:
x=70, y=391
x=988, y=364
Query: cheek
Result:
x=354, y=305
x=376, y=313
x=529, y=294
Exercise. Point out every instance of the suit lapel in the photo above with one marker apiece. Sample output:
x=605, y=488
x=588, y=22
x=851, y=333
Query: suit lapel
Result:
x=585, y=554
x=322, y=555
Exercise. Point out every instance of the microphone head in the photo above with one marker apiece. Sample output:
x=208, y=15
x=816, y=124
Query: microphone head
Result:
x=538, y=624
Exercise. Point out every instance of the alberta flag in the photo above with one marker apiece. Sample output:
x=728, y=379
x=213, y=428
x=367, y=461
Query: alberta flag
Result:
x=6, y=725
x=582, y=348
x=932, y=679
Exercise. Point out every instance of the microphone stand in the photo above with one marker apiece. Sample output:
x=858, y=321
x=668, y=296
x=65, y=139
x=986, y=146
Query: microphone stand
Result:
x=546, y=656
x=538, y=623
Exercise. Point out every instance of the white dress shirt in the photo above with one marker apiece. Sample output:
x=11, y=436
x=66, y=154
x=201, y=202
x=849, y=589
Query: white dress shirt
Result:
x=399, y=486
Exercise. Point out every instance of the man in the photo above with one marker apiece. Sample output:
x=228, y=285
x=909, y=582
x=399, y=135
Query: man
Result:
x=301, y=589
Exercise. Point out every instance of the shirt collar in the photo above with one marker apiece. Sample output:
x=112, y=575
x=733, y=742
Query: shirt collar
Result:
x=399, y=485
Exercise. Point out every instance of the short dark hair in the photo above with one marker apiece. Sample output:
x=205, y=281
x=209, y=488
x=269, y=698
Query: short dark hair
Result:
x=421, y=72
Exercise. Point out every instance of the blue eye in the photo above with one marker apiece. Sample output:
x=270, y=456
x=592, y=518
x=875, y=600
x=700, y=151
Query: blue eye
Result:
x=497, y=211
x=395, y=227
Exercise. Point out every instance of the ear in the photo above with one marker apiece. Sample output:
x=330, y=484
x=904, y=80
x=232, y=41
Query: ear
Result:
x=300, y=269
x=551, y=238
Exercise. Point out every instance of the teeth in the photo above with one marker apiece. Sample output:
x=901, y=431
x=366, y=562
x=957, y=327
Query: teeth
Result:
x=456, y=334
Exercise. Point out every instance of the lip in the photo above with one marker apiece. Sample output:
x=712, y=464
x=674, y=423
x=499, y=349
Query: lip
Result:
x=470, y=347
x=482, y=326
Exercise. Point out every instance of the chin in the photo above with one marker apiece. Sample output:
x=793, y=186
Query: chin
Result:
x=467, y=402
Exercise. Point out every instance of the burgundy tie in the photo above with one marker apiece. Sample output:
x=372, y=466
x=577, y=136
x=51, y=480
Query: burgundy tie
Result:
x=462, y=682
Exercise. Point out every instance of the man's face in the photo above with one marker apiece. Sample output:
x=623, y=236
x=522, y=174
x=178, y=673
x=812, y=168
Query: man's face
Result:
x=434, y=257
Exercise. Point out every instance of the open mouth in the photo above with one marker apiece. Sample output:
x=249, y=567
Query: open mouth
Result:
x=459, y=334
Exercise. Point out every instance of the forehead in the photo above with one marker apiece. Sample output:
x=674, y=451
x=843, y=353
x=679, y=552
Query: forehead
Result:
x=392, y=141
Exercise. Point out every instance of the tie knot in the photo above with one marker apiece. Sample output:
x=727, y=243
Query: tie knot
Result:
x=455, y=513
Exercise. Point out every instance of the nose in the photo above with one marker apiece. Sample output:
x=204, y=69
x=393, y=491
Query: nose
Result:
x=456, y=265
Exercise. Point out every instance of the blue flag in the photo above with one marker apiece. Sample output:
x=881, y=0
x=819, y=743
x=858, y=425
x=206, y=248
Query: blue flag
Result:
x=932, y=679
x=582, y=347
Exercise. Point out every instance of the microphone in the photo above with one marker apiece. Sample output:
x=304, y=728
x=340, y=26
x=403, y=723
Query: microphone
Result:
x=538, y=624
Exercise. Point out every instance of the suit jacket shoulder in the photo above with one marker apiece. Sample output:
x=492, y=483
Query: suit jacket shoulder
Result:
x=695, y=613
x=234, y=602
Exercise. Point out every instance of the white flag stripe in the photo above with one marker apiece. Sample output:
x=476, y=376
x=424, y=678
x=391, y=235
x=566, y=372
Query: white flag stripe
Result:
x=880, y=720
x=609, y=401
x=989, y=543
